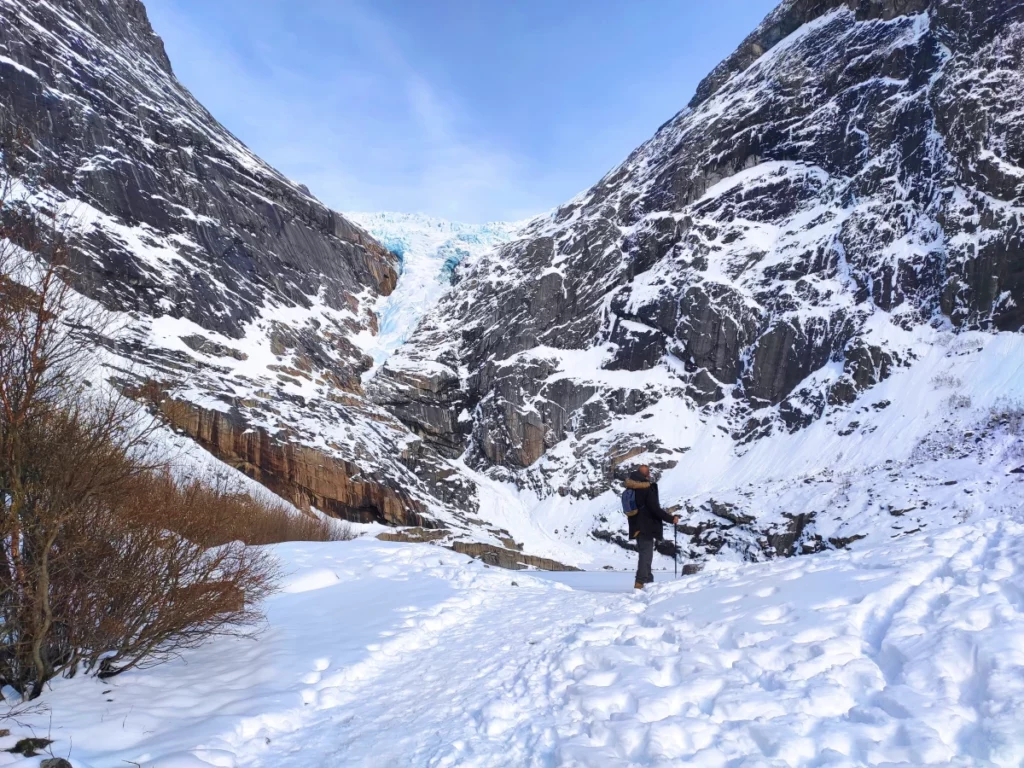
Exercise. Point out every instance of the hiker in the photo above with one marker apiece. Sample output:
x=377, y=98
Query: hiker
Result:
x=645, y=520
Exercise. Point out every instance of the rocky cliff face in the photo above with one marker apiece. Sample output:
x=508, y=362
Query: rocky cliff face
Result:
x=851, y=172
x=230, y=285
x=767, y=301
x=180, y=219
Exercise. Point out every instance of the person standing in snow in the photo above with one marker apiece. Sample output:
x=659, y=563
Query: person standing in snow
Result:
x=645, y=525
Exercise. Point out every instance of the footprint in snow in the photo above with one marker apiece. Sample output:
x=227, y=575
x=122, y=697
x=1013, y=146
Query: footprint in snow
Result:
x=314, y=677
x=837, y=602
x=773, y=615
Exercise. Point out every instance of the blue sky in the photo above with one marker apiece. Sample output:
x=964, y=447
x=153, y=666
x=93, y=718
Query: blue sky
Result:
x=473, y=111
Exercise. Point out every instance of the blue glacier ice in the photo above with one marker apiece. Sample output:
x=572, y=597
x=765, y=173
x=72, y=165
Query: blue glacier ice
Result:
x=429, y=250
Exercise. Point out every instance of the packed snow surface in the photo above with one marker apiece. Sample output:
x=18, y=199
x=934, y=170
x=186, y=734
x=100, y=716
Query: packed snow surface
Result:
x=429, y=249
x=906, y=653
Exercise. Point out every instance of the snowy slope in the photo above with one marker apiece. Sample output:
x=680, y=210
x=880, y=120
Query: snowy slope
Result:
x=907, y=653
x=762, y=302
x=428, y=249
x=940, y=441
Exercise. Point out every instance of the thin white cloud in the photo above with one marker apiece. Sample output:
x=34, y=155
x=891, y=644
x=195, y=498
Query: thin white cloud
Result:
x=369, y=137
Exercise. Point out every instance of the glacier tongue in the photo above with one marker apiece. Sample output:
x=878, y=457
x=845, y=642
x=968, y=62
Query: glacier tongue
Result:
x=429, y=249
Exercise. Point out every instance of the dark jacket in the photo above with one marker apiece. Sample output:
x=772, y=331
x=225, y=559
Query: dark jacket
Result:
x=650, y=516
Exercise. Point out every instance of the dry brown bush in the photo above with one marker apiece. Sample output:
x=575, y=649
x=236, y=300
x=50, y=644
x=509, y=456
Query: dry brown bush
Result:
x=214, y=511
x=93, y=576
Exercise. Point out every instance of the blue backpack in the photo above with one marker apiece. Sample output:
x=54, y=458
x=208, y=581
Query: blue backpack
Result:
x=629, y=502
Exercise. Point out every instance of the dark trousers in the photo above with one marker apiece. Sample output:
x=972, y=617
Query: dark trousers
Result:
x=645, y=546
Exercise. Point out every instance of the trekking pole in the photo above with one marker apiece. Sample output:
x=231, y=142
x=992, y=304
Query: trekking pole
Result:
x=675, y=551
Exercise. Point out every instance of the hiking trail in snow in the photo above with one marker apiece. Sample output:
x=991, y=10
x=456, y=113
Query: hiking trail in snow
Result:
x=379, y=655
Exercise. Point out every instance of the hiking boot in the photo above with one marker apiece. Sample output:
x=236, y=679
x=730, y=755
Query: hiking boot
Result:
x=638, y=585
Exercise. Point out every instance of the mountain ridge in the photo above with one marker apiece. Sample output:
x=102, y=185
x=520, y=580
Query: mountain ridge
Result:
x=833, y=221
x=758, y=266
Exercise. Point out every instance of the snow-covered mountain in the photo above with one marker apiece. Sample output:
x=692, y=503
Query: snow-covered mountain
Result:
x=235, y=292
x=429, y=249
x=801, y=300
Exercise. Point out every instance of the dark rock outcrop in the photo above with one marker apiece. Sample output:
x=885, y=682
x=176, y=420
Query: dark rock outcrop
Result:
x=852, y=171
x=508, y=558
x=415, y=535
x=781, y=540
x=231, y=285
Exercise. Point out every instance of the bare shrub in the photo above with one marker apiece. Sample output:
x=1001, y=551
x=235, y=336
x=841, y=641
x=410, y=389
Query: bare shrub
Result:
x=1006, y=417
x=946, y=380
x=964, y=345
x=958, y=402
x=92, y=575
x=214, y=511
x=1009, y=415
x=163, y=590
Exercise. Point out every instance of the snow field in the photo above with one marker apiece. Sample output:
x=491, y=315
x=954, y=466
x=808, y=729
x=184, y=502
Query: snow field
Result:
x=917, y=451
x=908, y=653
